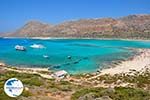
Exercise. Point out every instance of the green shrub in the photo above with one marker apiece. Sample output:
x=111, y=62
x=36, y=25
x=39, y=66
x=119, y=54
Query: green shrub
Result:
x=32, y=81
x=26, y=93
x=119, y=93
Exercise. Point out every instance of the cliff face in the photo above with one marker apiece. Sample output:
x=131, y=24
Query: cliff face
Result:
x=133, y=26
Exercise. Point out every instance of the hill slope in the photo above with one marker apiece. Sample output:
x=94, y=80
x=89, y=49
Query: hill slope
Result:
x=132, y=26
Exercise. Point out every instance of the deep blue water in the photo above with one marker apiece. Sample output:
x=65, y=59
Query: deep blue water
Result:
x=87, y=54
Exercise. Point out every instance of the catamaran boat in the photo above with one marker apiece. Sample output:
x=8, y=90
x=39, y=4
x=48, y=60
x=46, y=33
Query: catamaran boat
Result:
x=37, y=46
x=20, y=48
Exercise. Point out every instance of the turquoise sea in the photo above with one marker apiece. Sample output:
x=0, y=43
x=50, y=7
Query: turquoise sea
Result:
x=87, y=55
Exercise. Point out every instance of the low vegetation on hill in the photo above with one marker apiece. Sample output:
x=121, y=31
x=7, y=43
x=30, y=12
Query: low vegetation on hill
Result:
x=49, y=89
x=132, y=26
x=118, y=93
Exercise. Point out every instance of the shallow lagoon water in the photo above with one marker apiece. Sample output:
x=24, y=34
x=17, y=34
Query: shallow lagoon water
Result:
x=88, y=55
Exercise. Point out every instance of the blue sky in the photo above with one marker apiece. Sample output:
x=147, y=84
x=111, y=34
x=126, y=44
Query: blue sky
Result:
x=15, y=13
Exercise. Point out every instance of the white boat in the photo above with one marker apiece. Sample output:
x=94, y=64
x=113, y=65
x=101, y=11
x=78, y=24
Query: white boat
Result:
x=46, y=56
x=37, y=46
x=20, y=48
x=69, y=57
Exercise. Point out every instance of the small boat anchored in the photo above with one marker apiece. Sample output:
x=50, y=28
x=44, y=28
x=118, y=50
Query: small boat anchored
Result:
x=69, y=57
x=46, y=56
x=37, y=46
x=20, y=48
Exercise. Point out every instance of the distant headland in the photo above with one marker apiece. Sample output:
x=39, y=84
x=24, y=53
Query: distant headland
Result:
x=128, y=27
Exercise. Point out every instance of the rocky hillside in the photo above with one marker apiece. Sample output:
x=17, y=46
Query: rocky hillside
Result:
x=132, y=26
x=32, y=28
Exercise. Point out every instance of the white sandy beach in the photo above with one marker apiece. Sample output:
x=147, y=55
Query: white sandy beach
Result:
x=137, y=63
x=49, y=38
